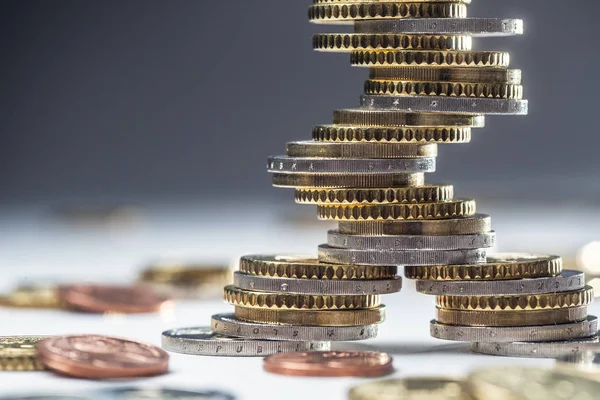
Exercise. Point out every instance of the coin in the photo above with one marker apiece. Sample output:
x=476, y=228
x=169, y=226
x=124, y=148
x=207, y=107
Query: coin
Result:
x=498, y=266
x=394, y=118
x=229, y=325
x=406, y=257
x=255, y=299
x=203, y=342
x=38, y=295
x=384, y=135
x=537, y=349
x=151, y=393
x=347, y=13
x=460, y=105
x=317, y=286
x=19, y=353
x=540, y=333
x=451, y=89
x=429, y=58
x=337, y=42
x=347, y=180
x=313, y=165
x=101, y=357
x=367, y=316
x=455, y=74
x=413, y=388
x=330, y=363
x=543, y=301
x=511, y=318
x=429, y=193
x=48, y=397
x=311, y=148
x=567, y=280
x=478, y=223
x=411, y=242
x=443, y=26
x=402, y=211
x=104, y=298
x=309, y=267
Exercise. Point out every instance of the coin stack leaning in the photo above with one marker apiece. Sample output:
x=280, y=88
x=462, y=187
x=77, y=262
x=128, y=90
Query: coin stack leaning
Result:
x=366, y=170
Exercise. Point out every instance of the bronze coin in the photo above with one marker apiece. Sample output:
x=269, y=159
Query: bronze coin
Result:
x=101, y=357
x=330, y=363
x=104, y=298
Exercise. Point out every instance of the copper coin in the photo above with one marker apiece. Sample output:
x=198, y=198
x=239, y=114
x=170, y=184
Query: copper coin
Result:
x=330, y=363
x=118, y=299
x=101, y=357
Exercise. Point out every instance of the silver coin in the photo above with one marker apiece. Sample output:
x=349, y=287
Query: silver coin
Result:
x=297, y=165
x=142, y=393
x=230, y=325
x=411, y=242
x=203, y=342
x=409, y=257
x=442, y=26
x=317, y=286
x=567, y=280
x=540, y=333
x=459, y=105
x=537, y=349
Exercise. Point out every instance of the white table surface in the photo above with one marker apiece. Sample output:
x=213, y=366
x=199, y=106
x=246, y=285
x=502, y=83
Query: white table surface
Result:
x=35, y=244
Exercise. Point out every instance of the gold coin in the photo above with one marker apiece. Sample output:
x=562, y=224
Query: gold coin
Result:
x=546, y=301
x=389, y=1
x=360, y=150
x=448, y=58
x=391, y=118
x=33, y=296
x=357, y=134
x=347, y=180
x=436, y=74
x=528, y=383
x=19, y=353
x=419, y=194
x=346, y=42
x=446, y=89
x=412, y=389
x=307, y=267
x=313, y=318
x=252, y=299
x=478, y=223
x=347, y=13
x=382, y=212
x=511, y=318
x=498, y=266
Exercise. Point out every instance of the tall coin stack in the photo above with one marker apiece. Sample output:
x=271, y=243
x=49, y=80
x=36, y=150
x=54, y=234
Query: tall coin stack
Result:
x=366, y=170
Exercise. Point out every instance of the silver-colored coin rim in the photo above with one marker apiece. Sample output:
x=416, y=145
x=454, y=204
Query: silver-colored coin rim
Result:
x=317, y=286
x=230, y=325
x=536, y=349
x=201, y=341
x=567, y=280
x=441, y=26
x=458, y=105
x=541, y=333
x=408, y=257
x=364, y=150
x=410, y=242
x=310, y=165
x=173, y=393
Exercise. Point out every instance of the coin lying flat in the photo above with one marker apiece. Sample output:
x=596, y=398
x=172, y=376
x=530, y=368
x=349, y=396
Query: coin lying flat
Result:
x=19, y=353
x=537, y=349
x=330, y=363
x=347, y=180
x=203, y=342
x=411, y=242
x=317, y=286
x=567, y=280
x=428, y=193
x=229, y=325
x=37, y=295
x=368, y=316
x=311, y=148
x=429, y=58
x=313, y=165
x=444, y=26
x=435, y=74
x=499, y=266
x=101, y=357
x=412, y=389
x=511, y=318
x=346, y=42
x=394, y=118
x=309, y=267
x=444, y=88
x=375, y=134
x=540, y=333
x=150, y=393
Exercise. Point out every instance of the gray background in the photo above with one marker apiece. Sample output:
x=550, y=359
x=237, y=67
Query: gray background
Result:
x=181, y=99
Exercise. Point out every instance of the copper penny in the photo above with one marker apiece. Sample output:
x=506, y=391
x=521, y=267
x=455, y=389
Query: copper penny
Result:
x=101, y=357
x=330, y=363
x=104, y=298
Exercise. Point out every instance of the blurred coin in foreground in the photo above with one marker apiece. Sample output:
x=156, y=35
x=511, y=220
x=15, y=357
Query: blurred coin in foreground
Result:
x=140, y=393
x=411, y=389
x=19, y=353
